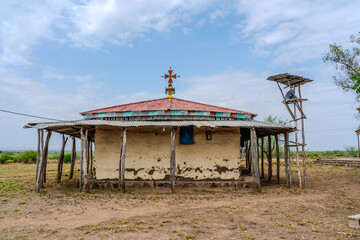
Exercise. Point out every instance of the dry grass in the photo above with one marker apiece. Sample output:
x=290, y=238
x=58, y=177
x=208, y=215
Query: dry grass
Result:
x=61, y=212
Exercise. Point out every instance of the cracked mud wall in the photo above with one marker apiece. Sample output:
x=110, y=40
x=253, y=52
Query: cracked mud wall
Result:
x=148, y=154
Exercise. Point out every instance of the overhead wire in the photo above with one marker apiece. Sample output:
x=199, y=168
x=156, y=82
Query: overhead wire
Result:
x=29, y=115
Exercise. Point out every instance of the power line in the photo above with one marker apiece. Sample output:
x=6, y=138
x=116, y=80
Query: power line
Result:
x=28, y=115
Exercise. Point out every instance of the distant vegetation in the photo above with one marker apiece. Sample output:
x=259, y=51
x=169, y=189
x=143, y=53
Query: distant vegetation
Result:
x=30, y=156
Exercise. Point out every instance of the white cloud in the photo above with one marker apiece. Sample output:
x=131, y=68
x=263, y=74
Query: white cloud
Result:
x=52, y=75
x=86, y=23
x=298, y=30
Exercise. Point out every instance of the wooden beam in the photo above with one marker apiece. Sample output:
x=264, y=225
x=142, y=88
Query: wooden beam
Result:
x=73, y=158
x=61, y=159
x=86, y=162
x=40, y=179
x=262, y=157
x=172, y=158
x=297, y=151
x=277, y=159
x=122, y=159
x=303, y=145
x=255, y=159
x=269, y=158
x=91, y=157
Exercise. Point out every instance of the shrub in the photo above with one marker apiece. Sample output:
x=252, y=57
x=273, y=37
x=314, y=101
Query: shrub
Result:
x=27, y=156
x=351, y=151
x=67, y=157
x=5, y=158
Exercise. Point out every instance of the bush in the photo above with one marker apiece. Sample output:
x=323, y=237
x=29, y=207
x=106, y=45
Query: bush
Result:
x=4, y=158
x=67, y=157
x=27, y=156
x=351, y=151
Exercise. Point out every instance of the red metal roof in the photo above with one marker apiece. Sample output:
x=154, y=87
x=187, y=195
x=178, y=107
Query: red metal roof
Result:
x=166, y=104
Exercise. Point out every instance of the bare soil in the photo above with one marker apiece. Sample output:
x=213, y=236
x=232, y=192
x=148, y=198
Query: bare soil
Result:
x=61, y=212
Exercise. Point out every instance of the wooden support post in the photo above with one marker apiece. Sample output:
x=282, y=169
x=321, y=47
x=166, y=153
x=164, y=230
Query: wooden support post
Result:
x=122, y=160
x=358, y=144
x=46, y=150
x=40, y=178
x=246, y=155
x=81, y=158
x=286, y=156
x=172, y=158
x=91, y=157
x=73, y=158
x=61, y=159
x=240, y=167
x=255, y=159
x=277, y=159
x=88, y=155
x=262, y=157
x=38, y=154
x=303, y=144
x=249, y=156
x=269, y=159
x=297, y=150
x=86, y=162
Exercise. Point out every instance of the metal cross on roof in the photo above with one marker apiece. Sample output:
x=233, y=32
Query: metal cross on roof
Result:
x=170, y=90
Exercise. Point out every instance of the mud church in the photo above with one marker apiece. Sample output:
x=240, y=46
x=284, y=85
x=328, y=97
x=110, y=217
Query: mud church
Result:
x=164, y=142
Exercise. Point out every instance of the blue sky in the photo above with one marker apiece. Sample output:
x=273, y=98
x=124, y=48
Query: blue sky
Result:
x=59, y=58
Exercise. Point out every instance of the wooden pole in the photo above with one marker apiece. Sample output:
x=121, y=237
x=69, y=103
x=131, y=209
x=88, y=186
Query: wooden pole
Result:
x=277, y=159
x=73, y=158
x=262, y=157
x=46, y=149
x=246, y=155
x=61, y=159
x=269, y=159
x=240, y=167
x=297, y=150
x=122, y=159
x=86, y=161
x=172, y=158
x=358, y=144
x=38, y=181
x=91, y=157
x=40, y=178
x=38, y=154
x=255, y=159
x=81, y=157
x=286, y=156
x=303, y=145
x=249, y=156
x=88, y=155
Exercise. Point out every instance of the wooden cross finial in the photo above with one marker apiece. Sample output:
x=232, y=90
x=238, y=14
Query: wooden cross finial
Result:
x=170, y=90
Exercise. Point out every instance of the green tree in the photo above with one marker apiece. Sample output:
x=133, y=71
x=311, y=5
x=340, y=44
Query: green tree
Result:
x=347, y=62
x=277, y=120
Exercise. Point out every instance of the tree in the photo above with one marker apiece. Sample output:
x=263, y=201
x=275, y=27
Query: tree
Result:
x=347, y=62
x=277, y=120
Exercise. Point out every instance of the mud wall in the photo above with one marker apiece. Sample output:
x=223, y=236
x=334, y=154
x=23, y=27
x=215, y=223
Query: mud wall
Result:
x=148, y=154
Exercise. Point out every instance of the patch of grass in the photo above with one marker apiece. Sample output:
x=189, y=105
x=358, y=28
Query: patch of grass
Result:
x=291, y=231
x=123, y=222
x=349, y=207
x=167, y=221
x=53, y=231
x=184, y=222
x=22, y=203
x=190, y=236
x=16, y=210
x=201, y=231
x=243, y=228
x=249, y=237
x=301, y=223
x=150, y=227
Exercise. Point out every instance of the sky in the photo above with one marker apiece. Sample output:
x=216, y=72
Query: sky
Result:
x=60, y=58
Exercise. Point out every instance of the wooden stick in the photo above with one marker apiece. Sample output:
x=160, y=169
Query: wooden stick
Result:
x=73, y=158
x=46, y=148
x=249, y=156
x=269, y=159
x=240, y=167
x=122, y=159
x=61, y=159
x=277, y=159
x=286, y=156
x=358, y=144
x=262, y=157
x=88, y=155
x=38, y=182
x=91, y=157
x=172, y=158
x=81, y=157
x=255, y=159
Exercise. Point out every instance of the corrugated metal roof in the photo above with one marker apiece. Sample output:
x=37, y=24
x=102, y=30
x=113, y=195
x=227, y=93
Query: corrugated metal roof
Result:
x=166, y=104
x=214, y=124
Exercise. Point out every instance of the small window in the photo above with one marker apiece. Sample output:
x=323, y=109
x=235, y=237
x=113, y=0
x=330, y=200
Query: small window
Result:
x=186, y=135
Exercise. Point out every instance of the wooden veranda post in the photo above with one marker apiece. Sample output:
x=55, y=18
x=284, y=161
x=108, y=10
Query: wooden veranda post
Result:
x=303, y=144
x=122, y=160
x=255, y=159
x=86, y=161
x=287, y=160
x=358, y=143
x=73, y=158
x=81, y=158
x=277, y=159
x=41, y=175
x=269, y=159
x=262, y=157
x=38, y=153
x=172, y=158
x=61, y=159
x=297, y=150
x=91, y=157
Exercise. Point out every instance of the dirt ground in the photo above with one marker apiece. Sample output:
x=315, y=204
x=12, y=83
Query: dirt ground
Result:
x=61, y=212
